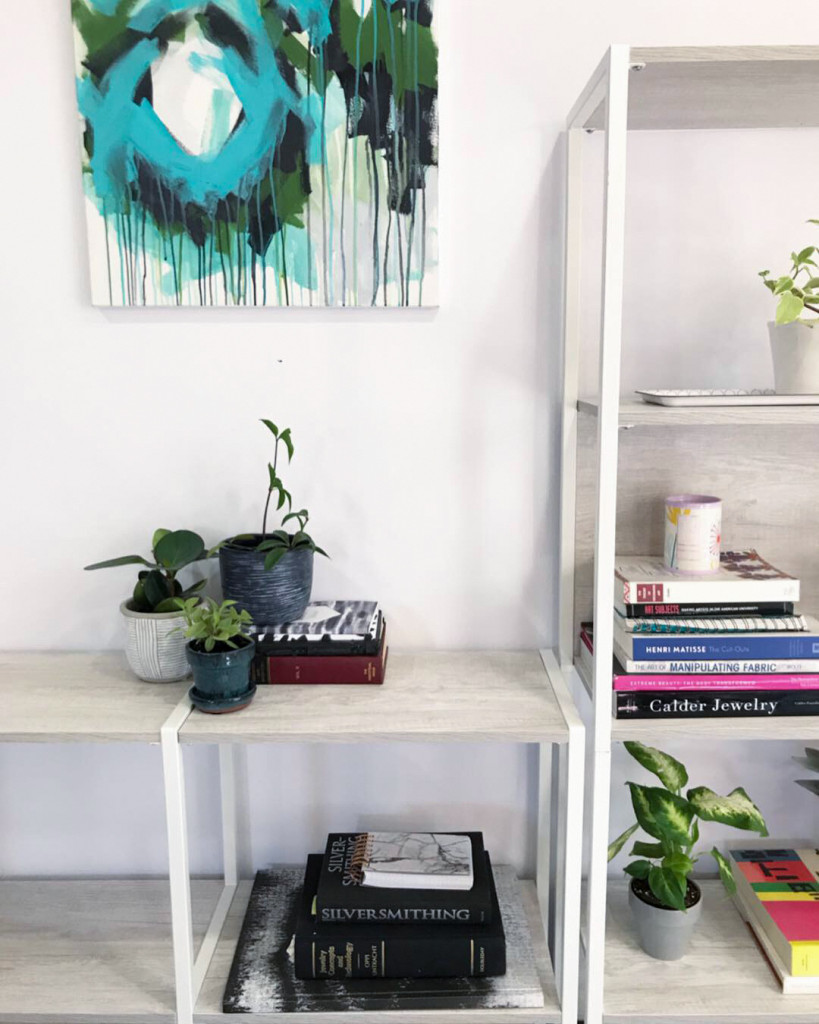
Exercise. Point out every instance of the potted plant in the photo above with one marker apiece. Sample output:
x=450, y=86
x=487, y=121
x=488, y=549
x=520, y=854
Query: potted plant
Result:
x=271, y=574
x=155, y=649
x=665, y=901
x=219, y=654
x=794, y=340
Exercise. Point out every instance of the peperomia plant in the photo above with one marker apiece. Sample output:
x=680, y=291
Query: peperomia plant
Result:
x=157, y=587
x=797, y=290
x=210, y=624
x=671, y=820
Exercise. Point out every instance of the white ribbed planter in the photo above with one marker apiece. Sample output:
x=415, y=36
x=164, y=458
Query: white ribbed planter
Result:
x=795, y=351
x=155, y=646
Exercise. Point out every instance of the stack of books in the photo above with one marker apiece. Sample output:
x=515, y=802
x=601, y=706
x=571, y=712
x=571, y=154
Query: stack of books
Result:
x=719, y=645
x=778, y=895
x=402, y=921
x=333, y=642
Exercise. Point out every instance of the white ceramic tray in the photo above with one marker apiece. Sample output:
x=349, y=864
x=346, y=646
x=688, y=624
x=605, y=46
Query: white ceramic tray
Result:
x=724, y=397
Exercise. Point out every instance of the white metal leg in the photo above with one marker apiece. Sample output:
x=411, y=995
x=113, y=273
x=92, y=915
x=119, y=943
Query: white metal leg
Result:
x=179, y=870
x=230, y=825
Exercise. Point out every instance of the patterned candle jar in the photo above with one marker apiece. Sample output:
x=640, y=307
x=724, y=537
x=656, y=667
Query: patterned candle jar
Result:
x=693, y=528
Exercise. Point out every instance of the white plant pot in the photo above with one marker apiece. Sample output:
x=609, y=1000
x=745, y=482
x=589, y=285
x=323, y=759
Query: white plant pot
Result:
x=795, y=350
x=155, y=646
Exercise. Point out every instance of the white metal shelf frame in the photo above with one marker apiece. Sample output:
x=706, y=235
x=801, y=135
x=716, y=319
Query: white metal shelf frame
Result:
x=645, y=89
x=559, y=846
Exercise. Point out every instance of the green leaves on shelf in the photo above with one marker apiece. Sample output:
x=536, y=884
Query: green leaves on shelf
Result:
x=672, y=820
x=795, y=295
x=213, y=624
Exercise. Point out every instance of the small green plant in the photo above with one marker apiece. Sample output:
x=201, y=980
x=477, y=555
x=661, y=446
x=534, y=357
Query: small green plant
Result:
x=672, y=821
x=279, y=542
x=209, y=623
x=157, y=588
x=795, y=295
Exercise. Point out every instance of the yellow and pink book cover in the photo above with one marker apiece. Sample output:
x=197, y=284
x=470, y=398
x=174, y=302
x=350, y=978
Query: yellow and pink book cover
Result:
x=779, y=888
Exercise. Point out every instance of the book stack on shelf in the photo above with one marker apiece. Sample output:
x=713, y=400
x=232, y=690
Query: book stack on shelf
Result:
x=778, y=896
x=333, y=642
x=397, y=920
x=719, y=645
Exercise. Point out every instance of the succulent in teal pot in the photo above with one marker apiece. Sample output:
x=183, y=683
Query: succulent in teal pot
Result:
x=155, y=649
x=270, y=574
x=220, y=655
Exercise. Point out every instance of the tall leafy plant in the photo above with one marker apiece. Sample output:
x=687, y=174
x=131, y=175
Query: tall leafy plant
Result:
x=797, y=290
x=671, y=822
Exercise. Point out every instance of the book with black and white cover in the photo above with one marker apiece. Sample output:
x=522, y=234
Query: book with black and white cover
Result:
x=743, y=576
x=744, y=624
x=262, y=979
x=414, y=860
x=344, y=898
x=325, y=626
x=731, y=703
x=670, y=610
x=339, y=952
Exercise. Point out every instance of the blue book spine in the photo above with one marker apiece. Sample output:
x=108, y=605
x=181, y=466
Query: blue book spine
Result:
x=731, y=647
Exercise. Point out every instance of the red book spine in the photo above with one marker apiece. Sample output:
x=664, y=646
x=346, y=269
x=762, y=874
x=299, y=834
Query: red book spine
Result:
x=347, y=669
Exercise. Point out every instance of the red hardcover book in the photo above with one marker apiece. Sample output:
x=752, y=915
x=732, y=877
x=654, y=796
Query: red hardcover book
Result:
x=348, y=669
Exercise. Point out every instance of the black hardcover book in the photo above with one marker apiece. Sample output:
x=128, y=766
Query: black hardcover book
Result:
x=707, y=611
x=715, y=703
x=342, y=899
x=337, y=952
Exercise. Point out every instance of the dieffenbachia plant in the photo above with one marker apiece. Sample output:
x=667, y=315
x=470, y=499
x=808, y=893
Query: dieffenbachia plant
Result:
x=797, y=290
x=811, y=762
x=671, y=820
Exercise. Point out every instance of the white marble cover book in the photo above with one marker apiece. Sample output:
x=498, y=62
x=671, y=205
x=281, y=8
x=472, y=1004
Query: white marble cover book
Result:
x=417, y=860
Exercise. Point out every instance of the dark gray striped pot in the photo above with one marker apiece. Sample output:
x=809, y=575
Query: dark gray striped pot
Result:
x=272, y=595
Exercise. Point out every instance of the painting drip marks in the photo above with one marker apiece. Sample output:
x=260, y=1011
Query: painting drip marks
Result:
x=259, y=152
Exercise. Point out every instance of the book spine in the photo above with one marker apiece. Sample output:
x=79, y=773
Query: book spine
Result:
x=402, y=913
x=348, y=669
x=710, y=611
x=759, y=624
x=701, y=648
x=681, y=591
x=345, y=955
x=808, y=666
x=635, y=684
x=715, y=704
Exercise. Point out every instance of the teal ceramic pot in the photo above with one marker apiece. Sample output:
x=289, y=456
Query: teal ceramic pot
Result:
x=272, y=595
x=221, y=679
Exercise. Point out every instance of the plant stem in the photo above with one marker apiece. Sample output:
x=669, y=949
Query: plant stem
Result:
x=264, y=518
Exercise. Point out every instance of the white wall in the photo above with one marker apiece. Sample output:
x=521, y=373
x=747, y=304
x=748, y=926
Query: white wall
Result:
x=426, y=442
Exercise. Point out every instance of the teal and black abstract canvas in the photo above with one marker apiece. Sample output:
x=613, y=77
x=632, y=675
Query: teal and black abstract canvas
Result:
x=259, y=152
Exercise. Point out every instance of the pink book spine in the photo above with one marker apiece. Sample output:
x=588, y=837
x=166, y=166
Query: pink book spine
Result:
x=720, y=682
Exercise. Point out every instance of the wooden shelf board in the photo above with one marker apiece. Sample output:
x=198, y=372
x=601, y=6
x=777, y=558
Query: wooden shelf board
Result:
x=718, y=87
x=209, y=1004
x=723, y=978
x=647, y=730
x=80, y=697
x=504, y=696
x=636, y=413
x=79, y=952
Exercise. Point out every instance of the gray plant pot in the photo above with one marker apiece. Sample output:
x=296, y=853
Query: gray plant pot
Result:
x=662, y=933
x=272, y=595
x=155, y=648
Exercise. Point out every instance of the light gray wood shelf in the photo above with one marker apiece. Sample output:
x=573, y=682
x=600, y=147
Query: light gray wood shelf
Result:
x=209, y=1004
x=704, y=87
x=636, y=413
x=80, y=952
x=723, y=978
x=646, y=730
x=78, y=697
x=491, y=695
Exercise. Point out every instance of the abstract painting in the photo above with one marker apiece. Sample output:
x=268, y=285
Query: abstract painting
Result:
x=259, y=152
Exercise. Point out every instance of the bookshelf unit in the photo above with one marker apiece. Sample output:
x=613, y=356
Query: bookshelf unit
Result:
x=611, y=502
x=138, y=951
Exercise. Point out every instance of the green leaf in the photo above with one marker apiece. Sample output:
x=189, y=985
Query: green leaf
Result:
x=123, y=560
x=679, y=863
x=157, y=537
x=194, y=588
x=170, y=604
x=725, y=872
x=789, y=309
x=783, y=284
x=737, y=809
x=671, y=813
x=274, y=557
x=274, y=480
x=811, y=284
x=638, y=869
x=695, y=832
x=617, y=845
x=642, y=810
x=156, y=587
x=764, y=273
x=139, y=600
x=654, y=850
x=805, y=253
x=669, y=771
x=320, y=551
x=273, y=544
x=288, y=443
x=271, y=426
x=668, y=887
x=177, y=549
